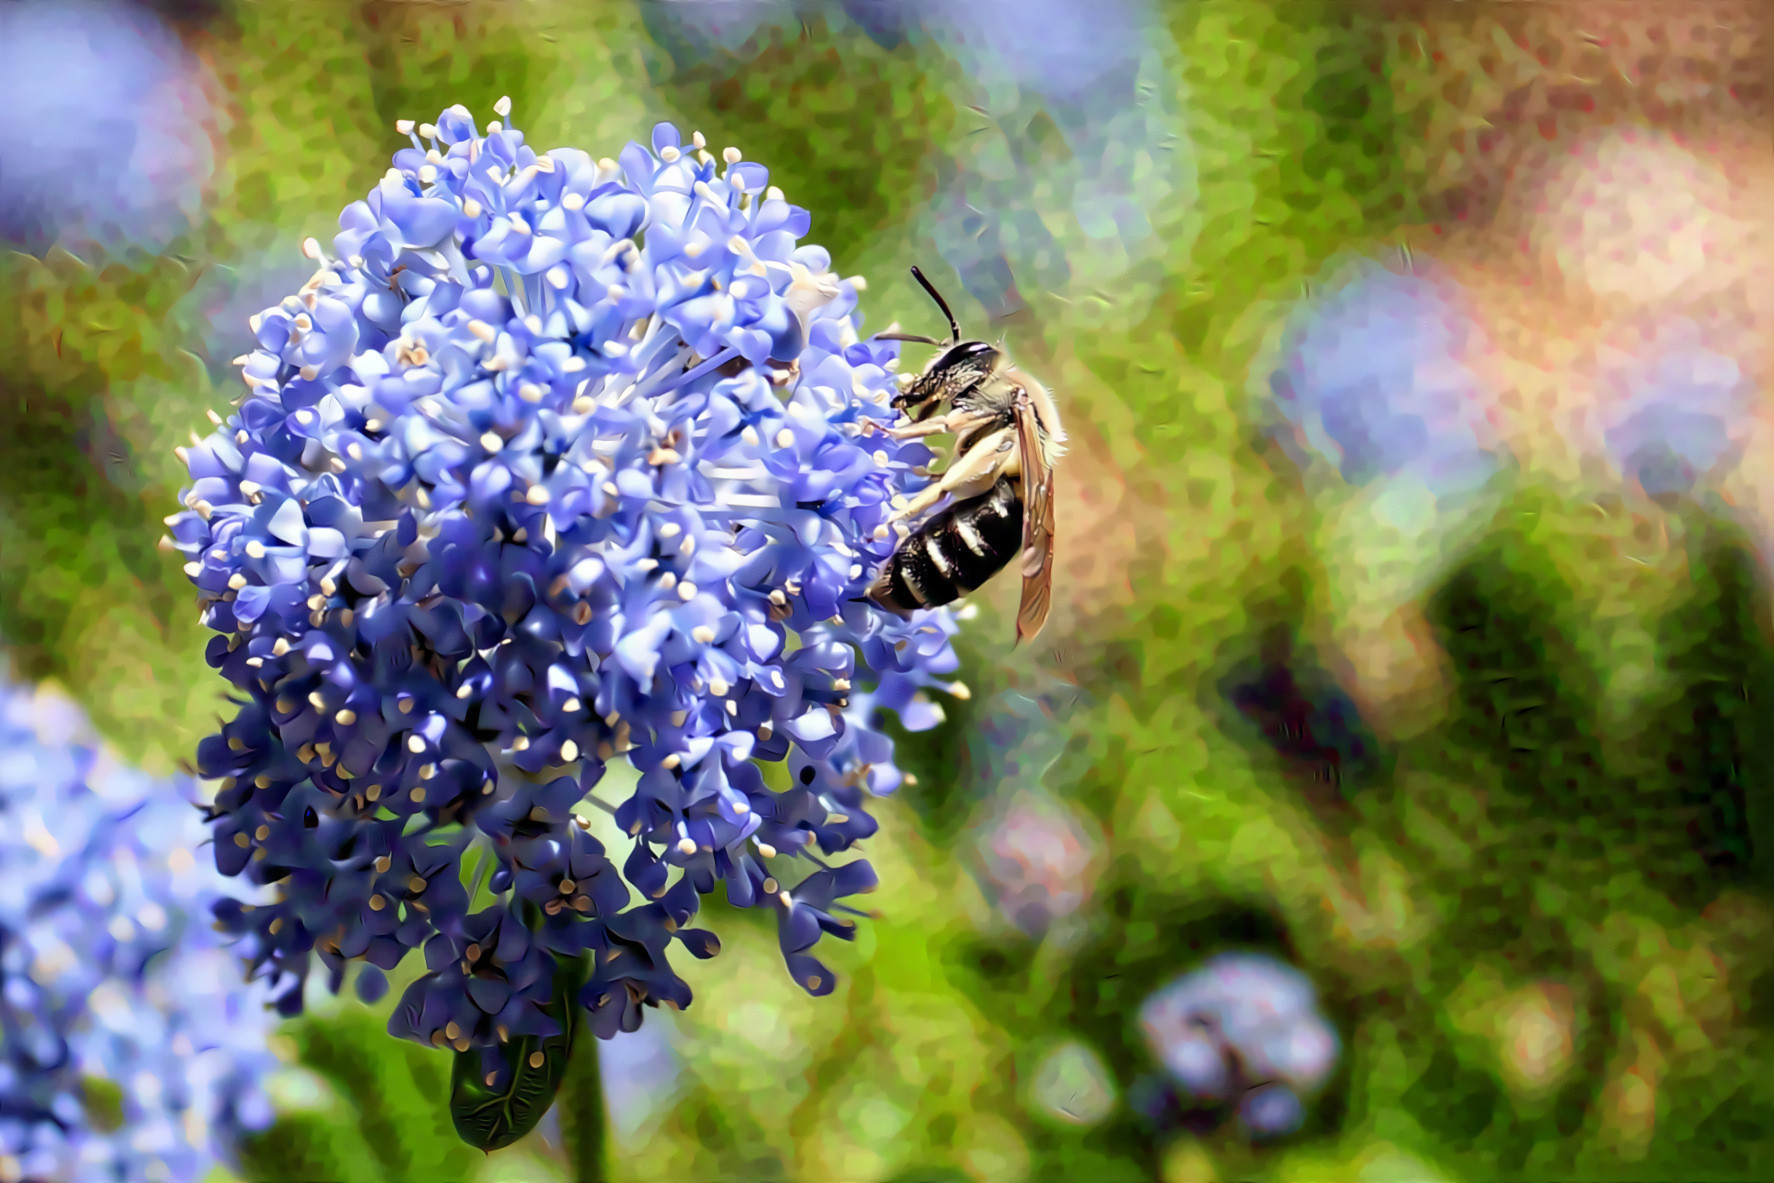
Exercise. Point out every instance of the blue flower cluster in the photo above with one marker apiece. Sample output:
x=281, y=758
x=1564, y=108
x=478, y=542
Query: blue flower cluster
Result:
x=1243, y=1029
x=1674, y=411
x=554, y=462
x=109, y=970
x=1373, y=378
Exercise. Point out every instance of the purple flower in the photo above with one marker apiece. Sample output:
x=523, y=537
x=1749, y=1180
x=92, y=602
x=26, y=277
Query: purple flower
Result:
x=107, y=140
x=1674, y=411
x=1373, y=379
x=1243, y=1028
x=557, y=462
x=108, y=967
x=1040, y=860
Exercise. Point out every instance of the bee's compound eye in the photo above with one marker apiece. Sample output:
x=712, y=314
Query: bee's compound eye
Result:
x=975, y=349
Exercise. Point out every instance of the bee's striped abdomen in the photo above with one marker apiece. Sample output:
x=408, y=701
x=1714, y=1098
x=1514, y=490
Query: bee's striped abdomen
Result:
x=953, y=553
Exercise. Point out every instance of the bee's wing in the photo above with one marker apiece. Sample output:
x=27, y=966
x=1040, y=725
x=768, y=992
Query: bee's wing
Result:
x=1037, y=495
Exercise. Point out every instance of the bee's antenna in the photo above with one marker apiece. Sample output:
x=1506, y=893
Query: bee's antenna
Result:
x=954, y=329
x=915, y=338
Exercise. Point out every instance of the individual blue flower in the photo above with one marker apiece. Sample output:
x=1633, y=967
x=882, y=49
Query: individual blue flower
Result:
x=1674, y=412
x=109, y=969
x=1374, y=379
x=1243, y=1029
x=108, y=139
x=557, y=461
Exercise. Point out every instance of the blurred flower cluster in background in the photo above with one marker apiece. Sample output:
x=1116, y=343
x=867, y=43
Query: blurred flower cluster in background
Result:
x=132, y=1048
x=1387, y=797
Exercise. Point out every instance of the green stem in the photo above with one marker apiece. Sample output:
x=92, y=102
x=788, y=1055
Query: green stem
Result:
x=582, y=1119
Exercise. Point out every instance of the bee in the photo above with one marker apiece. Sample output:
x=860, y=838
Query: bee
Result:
x=999, y=478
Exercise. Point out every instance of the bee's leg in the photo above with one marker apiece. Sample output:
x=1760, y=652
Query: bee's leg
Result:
x=969, y=475
x=953, y=421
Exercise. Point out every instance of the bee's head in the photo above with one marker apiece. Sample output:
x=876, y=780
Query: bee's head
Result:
x=958, y=369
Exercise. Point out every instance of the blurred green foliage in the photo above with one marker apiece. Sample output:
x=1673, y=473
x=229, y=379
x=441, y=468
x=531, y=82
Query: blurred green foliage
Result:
x=1590, y=807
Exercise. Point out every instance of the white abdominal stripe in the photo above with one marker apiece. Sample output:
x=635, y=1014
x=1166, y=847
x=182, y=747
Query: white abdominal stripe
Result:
x=954, y=552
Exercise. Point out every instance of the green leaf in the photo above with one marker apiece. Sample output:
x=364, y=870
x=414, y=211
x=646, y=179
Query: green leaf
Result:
x=492, y=1116
x=303, y=1147
x=384, y=1082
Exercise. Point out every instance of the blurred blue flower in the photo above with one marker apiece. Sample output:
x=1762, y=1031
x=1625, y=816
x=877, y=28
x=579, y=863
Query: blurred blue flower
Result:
x=697, y=28
x=1078, y=151
x=1059, y=49
x=1272, y=1111
x=1078, y=147
x=1244, y=1029
x=1040, y=859
x=558, y=461
x=1673, y=410
x=109, y=969
x=1372, y=379
x=108, y=138
x=640, y=1072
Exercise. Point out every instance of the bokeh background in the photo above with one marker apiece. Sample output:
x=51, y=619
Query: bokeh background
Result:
x=1412, y=624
